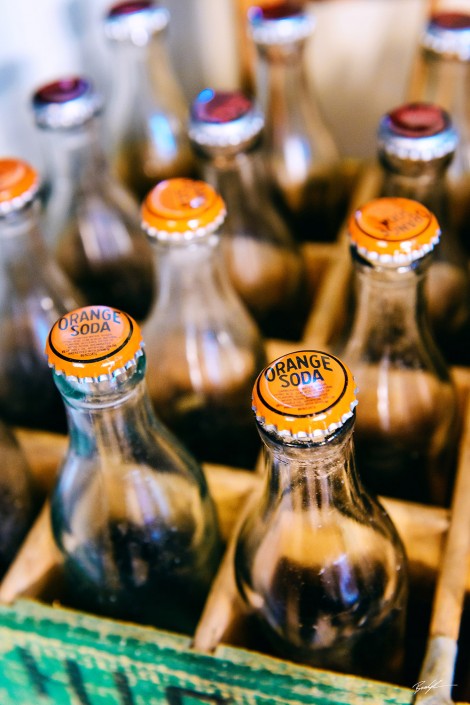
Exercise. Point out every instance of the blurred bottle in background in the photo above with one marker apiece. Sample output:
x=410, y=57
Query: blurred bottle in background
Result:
x=131, y=511
x=408, y=422
x=263, y=260
x=204, y=350
x=416, y=144
x=302, y=158
x=147, y=112
x=443, y=77
x=33, y=293
x=91, y=221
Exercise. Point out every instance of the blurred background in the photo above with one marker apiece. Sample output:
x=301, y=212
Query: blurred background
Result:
x=359, y=59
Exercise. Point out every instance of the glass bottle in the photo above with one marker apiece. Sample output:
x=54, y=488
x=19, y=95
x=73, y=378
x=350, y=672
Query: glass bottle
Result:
x=131, y=511
x=91, y=221
x=18, y=498
x=148, y=115
x=416, y=144
x=318, y=562
x=301, y=156
x=33, y=294
x=444, y=79
x=263, y=261
x=408, y=423
x=200, y=338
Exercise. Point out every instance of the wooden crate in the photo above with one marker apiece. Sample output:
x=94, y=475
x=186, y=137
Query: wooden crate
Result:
x=52, y=654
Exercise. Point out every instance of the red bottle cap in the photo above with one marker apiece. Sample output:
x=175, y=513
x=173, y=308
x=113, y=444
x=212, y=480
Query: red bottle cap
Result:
x=304, y=396
x=280, y=23
x=19, y=183
x=448, y=35
x=93, y=343
x=135, y=22
x=66, y=103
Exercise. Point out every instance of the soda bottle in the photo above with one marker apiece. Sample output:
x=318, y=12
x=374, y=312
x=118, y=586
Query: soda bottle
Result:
x=443, y=70
x=416, y=144
x=302, y=158
x=318, y=562
x=131, y=511
x=91, y=221
x=408, y=422
x=148, y=139
x=263, y=260
x=200, y=338
x=33, y=293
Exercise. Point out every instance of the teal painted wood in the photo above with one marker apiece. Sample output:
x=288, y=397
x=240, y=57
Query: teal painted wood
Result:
x=56, y=656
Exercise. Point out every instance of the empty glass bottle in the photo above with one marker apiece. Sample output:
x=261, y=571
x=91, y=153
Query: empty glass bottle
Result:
x=18, y=499
x=444, y=79
x=200, y=338
x=91, y=221
x=148, y=139
x=318, y=561
x=263, y=261
x=407, y=424
x=131, y=511
x=302, y=158
x=416, y=143
x=33, y=294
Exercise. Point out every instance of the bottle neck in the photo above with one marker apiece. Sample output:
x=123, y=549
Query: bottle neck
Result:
x=283, y=72
x=109, y=417
x=21, y=239
x=390, y=309
x=312, y=477
x=75, y=156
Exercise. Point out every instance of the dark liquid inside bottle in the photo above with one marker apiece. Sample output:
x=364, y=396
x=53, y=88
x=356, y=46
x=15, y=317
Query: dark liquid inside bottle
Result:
x=140, y=167
x=332, y=618
x=315, y=210
x=108, y=263
x=29, y=396
x=19, y=502
x=147, y=574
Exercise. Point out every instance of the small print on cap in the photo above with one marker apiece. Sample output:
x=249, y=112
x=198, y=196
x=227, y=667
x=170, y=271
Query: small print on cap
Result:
x=93, y=341
x=307, y=394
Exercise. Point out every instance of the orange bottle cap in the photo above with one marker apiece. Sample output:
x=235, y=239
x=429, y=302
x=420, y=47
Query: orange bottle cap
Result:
x=305, y=395
x=182, y=209
x=93, y=343
x=393, y=231
x=19, y=183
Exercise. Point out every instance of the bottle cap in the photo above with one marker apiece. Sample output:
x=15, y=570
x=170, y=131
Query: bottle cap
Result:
x=448, y=34
x=281, y=23
x=19, y=183
x=305, y=395
x=224, y=119
x=66, y=103
x=93, y=343
x=179, y=210
x=393, y=232
x=418, y=132
x=135, y=21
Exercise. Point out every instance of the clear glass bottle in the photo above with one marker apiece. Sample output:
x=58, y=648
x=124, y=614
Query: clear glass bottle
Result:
x=91, y=221
x=200, y=338
x=408, y=423
x=263, y=260
x=19, y=500
x=33, y=294
x=444, y=79
x=416, y=144
x=148, y=114
x=302, y=158
x=131, y=511
x=318, y=562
